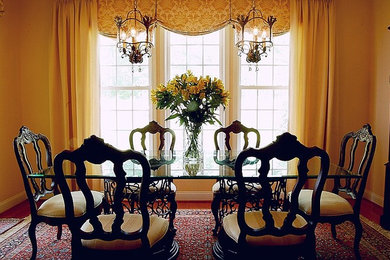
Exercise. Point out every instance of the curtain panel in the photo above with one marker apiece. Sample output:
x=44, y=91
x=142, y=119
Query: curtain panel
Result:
x=312, y=90
x=74, y=91
x=192, y=17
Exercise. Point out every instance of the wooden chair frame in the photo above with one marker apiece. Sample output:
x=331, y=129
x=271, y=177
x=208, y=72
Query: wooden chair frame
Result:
x=223, y=197
x=95, y=151
x=354, y=188
x=285, y=148
x=35, y=188
x=162, y=188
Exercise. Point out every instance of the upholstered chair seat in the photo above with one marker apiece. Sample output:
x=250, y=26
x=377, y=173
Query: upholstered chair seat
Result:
x=131, y=223
x=331, y=204
x=254, y=219
x=54, y=207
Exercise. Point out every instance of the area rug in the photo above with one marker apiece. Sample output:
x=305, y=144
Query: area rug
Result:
x=194, y=235
x=8, y=223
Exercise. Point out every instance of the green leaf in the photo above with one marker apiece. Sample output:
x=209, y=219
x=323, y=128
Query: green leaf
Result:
x=173, y=116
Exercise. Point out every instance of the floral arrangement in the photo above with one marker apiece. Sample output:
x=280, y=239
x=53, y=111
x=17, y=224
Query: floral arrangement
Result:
x=194, y=101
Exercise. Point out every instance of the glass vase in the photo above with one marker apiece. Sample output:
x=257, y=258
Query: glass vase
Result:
x=193, y=151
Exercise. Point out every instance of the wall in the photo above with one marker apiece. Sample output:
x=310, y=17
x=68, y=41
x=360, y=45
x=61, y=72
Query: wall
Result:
x=380, y=99
x=24, y=49
x=10, y=104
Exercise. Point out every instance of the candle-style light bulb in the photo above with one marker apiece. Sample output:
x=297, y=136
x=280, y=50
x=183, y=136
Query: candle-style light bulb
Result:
x=133, y=34
x=123, y=36
x=264, y=36
x=255, y=33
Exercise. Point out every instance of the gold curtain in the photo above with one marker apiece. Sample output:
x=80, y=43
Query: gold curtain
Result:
x=312, y=71
x=192, y=17
x=74, y=90
x=1, y=8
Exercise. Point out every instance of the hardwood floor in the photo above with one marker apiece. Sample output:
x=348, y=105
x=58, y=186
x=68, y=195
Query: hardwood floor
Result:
x=368, y=209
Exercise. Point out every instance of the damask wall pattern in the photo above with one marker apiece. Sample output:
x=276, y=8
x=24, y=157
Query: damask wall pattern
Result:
x=192, y=17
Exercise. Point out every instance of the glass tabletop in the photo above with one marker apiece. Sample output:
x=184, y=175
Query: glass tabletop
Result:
x=215, y=165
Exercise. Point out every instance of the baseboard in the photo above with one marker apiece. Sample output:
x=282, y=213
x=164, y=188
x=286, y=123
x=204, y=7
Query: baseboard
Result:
x=194, y=195
x=12, y=201
x=374, y=198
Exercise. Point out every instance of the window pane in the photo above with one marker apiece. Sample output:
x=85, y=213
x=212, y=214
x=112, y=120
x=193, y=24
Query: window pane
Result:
x=196, y=70
x=264, y=76
x=281, y=76
x=248, y=77
x=124, y=120
x=178, y=54
x=107, y=56
x=177, y=38
x=177, y=70
x=281, y=55
x=141, y=99
x=266, y=99
x=249, y=99
x=141, y=78
x=194, y=55
x=211, y=38
x=211, y=54
x=107, y=76
x=265, y=119
x=124, y=100
x=264, y=92
x=124, y=77
x=213, y=71
x=202, y=58
x=108, y=99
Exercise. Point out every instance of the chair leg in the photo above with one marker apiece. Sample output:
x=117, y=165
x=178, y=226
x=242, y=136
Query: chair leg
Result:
x=358, y=236
x=33, y=239
x=173, y=210
x=214, y=209
x=59, y=232
x=333, y=229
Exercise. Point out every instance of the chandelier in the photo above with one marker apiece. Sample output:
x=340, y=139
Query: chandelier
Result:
x=135, y=35
x=253, y=34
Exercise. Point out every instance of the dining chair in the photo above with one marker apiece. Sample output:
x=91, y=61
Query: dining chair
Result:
x=163, y=191
x=271, y=233
x=52, y=211
x=224, y=191
x=121, y=234
x=334, y=208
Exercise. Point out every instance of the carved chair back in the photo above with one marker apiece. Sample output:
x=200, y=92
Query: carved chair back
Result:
x=95, y=151
x=285, y=148
x=236, y=127
x=153, y=128
x=354, y=145
x=33, y=154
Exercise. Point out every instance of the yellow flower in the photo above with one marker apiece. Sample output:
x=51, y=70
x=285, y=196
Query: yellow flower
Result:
x=219, y=84
x=185, y=94
x=202, y=95
x=161, y=88
x=193, y=90
x=201, y=84
x=171, y=87
x=175, y=91
x=192, y=79
x=153, y=96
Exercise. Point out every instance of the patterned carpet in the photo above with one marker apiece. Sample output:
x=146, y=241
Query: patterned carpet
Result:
x=8, y=223
x=194, y=235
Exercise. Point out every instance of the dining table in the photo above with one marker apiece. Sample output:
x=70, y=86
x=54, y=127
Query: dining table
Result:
x=168, y=166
